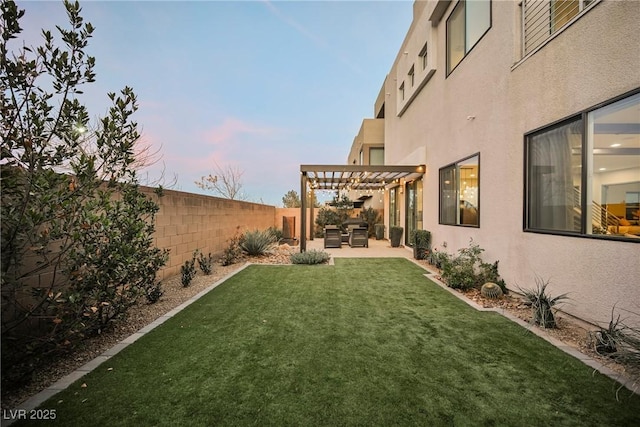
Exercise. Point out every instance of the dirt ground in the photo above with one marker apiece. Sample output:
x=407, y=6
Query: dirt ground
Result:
x=570, y=331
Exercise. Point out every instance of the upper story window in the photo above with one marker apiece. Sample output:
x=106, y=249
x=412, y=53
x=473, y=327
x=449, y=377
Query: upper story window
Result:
x=423, y=57
x=583, y=174
x=401, y=90
x=460, y=192
x=376, y=156
x=411, y=75
x=466, y=25
x=543, y=18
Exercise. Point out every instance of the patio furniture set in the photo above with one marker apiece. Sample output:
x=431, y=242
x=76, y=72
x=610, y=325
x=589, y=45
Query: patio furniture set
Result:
x=355, y=235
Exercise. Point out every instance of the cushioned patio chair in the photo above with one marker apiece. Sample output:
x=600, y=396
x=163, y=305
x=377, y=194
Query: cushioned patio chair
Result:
x=332, y=237
x=359, y=236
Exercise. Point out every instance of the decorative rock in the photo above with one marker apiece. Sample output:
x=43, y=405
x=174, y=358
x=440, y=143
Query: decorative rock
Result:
x=491, y=290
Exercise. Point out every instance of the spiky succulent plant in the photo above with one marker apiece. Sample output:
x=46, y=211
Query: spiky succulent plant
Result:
x=491, y=290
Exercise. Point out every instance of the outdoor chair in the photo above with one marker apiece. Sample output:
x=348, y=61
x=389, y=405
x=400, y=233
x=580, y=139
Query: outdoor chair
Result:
x=359, y=236
x=332, y=237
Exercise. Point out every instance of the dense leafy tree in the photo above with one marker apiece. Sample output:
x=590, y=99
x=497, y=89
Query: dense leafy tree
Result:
x=77, y=247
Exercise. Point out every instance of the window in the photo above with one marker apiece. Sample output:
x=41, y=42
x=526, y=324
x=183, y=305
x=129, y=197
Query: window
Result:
x=413, y=214
x=394, y=207
x=376, y=156
x=466, y=25
x=423, y=57
x=460, y=192
x=411, y=75
x=580, y=171
x=402, y=91
x=543, y=18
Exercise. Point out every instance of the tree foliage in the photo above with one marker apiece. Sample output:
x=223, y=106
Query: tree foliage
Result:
x=291, y=199
x=77, y=247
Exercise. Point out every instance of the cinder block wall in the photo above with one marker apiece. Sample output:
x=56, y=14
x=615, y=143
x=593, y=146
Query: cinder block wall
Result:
x=187, y=222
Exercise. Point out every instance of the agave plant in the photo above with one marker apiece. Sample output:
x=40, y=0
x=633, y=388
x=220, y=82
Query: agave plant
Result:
x=258, y=242
x=541, y=303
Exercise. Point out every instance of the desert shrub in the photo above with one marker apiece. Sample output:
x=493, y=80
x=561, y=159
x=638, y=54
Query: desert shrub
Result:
x=258, y=242
x=489, y=273
x=233, y=251
x=542, y=303
x=188, y=272
x=205, y=262
x=310, y=257
x=466, y=270
x=277, y=233
x=328, y=216
x=619, y=342
x=371, y=217
x=421, y=240
x=154, y=293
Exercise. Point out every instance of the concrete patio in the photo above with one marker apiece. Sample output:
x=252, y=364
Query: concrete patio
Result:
x=376, y=249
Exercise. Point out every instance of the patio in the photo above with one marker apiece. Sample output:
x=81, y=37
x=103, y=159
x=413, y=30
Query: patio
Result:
x=376, y=249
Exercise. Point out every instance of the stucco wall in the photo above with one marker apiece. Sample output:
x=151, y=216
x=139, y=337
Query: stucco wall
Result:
x=486, y=105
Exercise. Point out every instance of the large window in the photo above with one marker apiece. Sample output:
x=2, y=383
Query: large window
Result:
x=466, y=25
x=460, y=192
x=582, y=173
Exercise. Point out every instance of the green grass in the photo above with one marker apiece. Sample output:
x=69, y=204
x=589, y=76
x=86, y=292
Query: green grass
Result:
x=365, y=342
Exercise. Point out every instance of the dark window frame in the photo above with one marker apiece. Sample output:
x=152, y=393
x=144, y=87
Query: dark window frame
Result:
x=447, y=36
x=455, y=166
x=583, y=116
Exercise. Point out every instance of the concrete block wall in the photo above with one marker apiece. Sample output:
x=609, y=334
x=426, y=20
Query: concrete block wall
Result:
x=186, y=222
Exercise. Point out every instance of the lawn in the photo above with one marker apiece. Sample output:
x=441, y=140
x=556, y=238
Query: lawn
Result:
x=365, y=342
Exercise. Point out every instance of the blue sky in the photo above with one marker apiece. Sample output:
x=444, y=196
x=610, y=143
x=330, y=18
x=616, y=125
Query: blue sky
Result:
x=263, y=86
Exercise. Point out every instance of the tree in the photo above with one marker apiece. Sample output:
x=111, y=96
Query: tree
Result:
x=291, y=199
x=226, y=182
x=77, y=232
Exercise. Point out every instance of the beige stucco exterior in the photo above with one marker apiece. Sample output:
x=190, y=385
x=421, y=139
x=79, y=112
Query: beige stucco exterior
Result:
x=486, y=105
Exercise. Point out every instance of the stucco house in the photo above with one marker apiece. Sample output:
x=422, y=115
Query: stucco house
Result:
x=526, y=115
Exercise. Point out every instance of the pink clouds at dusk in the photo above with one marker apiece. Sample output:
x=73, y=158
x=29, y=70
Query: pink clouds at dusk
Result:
x=259, y=85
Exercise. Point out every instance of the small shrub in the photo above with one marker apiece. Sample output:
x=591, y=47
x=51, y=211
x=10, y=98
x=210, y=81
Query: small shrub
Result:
x=154, y=293
x=276, y=232
x=233, y=251
x=541, y=303
x=310, y=257
x=327, y=216
x=619, y=342
x=421, y=243
x=205, y=263
x=188, y=271
x=489, y=273
x=467, y=270
x=258, y=242
x=371, y=217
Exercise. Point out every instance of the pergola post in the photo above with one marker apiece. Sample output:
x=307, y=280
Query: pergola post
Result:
x=303, y=211
x=312, y=221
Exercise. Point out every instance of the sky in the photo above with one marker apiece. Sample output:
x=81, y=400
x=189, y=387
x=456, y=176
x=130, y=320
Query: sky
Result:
x=259, y=86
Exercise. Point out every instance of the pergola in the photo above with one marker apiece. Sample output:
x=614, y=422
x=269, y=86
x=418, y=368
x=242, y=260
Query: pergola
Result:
x=348, y=177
